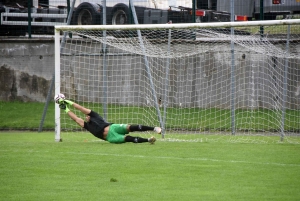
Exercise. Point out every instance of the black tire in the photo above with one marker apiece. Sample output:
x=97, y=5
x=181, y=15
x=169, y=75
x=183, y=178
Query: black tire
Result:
x=270, y=16
x=87, y=14
x=10, y=30
x=7, y=30
x=267, y=16
x=120, y=14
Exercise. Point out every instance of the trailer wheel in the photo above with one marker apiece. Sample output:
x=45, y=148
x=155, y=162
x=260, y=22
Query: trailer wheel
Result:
x=270, y=16
x=120, y=14
x=6, y=30
x=267, y=16
x=87, y=14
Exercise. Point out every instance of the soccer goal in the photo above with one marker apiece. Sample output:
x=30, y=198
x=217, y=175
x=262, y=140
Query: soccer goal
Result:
x=231, y=81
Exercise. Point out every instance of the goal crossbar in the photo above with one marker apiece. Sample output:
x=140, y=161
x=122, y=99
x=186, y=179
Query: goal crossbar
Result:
x=177, y=26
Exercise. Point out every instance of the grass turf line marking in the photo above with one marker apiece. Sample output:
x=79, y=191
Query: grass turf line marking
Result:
x=162, y=157
x=195, y=159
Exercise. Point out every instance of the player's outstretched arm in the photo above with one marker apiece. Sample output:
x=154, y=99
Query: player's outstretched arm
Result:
x=77, y=106
x=78, y=120
x=64, y=103
x=81, y=108
x=73, y=116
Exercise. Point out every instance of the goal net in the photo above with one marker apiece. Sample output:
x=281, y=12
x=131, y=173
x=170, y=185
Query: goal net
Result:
x=236, y=82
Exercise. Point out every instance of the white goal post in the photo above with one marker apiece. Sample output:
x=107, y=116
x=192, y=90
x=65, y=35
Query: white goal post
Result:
x=238, y=81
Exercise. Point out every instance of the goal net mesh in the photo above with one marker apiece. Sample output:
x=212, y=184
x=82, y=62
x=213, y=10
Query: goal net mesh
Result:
x=239, y=84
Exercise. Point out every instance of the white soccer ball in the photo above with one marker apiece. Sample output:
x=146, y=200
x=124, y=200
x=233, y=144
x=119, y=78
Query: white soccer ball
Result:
x=59, y=96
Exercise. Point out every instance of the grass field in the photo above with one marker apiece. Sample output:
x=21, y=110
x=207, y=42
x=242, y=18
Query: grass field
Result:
x=21, y=115
x=34, y=167
x=210, y=124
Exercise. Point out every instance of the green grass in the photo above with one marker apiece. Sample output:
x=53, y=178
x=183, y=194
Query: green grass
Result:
x=25, y=115
x=279, y=29
x=21, y=115
x=34, y=167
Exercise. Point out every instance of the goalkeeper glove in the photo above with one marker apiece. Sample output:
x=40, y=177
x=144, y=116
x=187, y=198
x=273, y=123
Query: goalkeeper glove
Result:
x=64, y=107
x=66, y=102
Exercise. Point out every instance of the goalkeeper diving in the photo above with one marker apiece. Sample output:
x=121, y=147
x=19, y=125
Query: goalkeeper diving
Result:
x=96, y=125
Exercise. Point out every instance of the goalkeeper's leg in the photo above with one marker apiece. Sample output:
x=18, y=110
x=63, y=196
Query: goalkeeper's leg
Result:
x=141, y=128
x=129, y=138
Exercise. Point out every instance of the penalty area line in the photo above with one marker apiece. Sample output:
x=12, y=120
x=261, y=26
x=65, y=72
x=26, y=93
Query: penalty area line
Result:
x=180, y=158
x=160, y=157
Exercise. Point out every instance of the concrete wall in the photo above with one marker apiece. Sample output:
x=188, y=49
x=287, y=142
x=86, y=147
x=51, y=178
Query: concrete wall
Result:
x=27, y=67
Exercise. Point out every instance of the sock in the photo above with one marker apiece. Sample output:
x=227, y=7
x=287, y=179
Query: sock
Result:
x=129, y=138
x=133, y=128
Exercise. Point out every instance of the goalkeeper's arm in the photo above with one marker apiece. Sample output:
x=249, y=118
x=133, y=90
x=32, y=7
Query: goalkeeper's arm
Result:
x=78, y=107
x=78, y=120
x=82, y=109
x=73, y=116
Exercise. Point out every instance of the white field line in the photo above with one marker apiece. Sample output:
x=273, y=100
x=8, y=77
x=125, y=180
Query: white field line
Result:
x=193, y=159
x=163, y=157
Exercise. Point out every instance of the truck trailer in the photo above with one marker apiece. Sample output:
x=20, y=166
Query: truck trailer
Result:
x=45, y=14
